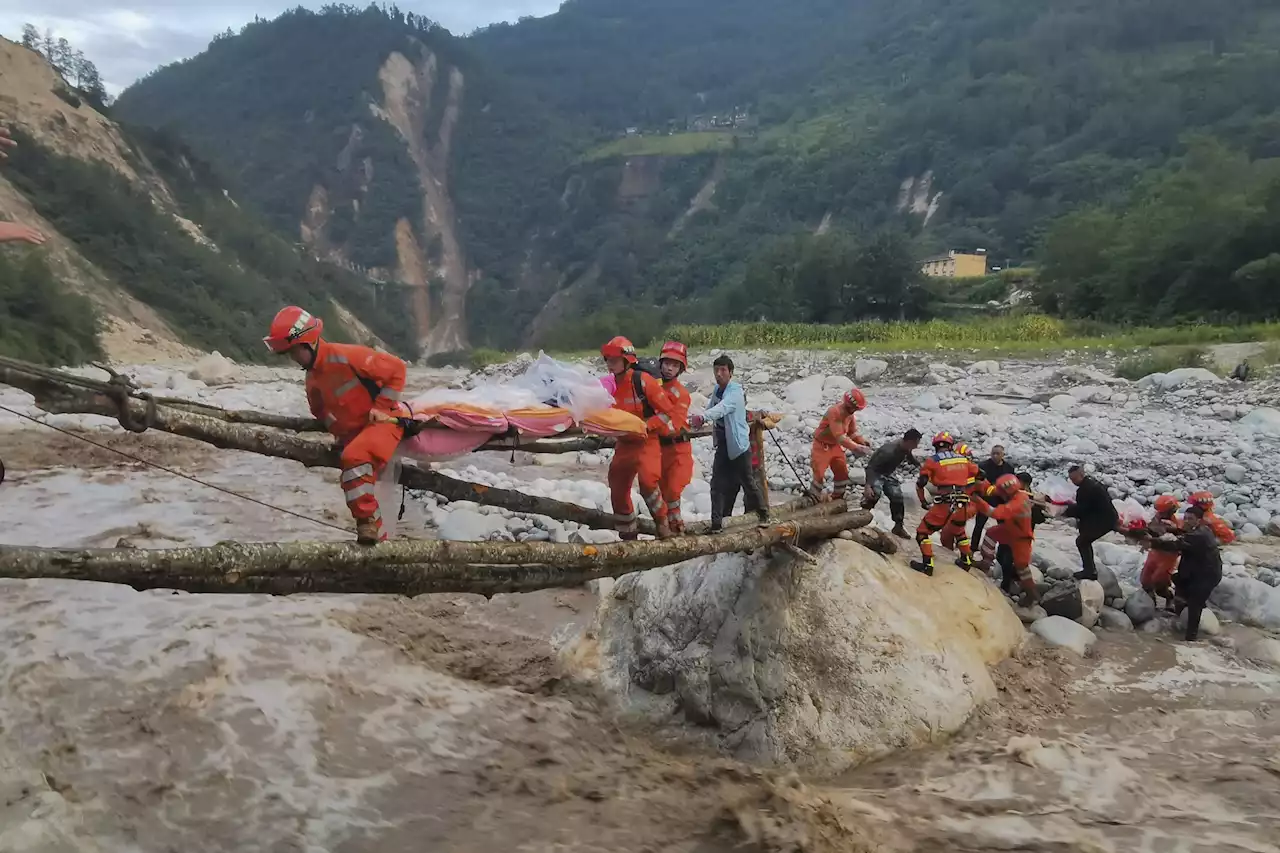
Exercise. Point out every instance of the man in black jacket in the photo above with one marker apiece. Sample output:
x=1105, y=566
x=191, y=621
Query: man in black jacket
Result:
x=1096, y=515
x=992, y=468
x=1199, y=570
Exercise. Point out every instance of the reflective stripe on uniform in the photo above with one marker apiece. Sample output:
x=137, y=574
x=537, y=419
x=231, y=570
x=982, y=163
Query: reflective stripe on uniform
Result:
x=347, y=386
x=666, y=420
x=359, y=491
x=389, y=394
x=673, y=505
x=330, y=420
x=365, y=470
x=336, y=359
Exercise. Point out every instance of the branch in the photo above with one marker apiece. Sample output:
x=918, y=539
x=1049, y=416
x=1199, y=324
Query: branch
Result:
x=402, y=567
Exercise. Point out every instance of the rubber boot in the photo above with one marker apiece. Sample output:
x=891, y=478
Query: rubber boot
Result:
x=629, y=536
x=924, y=567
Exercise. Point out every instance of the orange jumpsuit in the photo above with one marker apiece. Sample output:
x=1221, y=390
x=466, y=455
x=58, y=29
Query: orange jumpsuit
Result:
x=640, y=458
x=1157, y=570
x=950, y=473
x=344, y=384
x=1014, y=528
x=1220, y=528
x=837, y=433
x=672, y=428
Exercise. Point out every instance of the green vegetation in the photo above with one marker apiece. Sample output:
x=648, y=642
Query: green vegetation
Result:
x=1055, y=132
x=219, y=298
x=40, y=320
x=1028, y=332
x=1162, y=361
x=1196, y=239
x=676, y=145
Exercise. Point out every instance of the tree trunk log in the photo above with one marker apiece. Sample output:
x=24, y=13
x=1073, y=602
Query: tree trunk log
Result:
x=56, y=396
x=400, y=567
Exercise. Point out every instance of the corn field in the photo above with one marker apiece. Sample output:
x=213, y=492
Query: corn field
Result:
x=1031, y=328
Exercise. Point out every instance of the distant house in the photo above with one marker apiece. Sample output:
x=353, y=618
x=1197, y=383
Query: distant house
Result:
x=956, y=265
x=633, y=131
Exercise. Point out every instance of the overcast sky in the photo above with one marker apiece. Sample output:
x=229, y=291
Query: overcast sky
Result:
x=128, y=38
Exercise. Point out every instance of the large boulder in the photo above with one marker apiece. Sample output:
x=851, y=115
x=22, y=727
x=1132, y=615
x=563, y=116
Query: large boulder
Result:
x=806, y=394
x=1140, y=608
x=1110, y=584
x=1091, y=603
x=1185, y=376
x=835, y=386
x=1064, y=600
x=815, y=666
x=1263, y=420
x=866, y=369
x=1064, y=633
x=1249, y=601
x=215, y=369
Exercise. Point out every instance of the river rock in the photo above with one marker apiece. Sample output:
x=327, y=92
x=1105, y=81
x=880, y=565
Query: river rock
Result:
x=1063, y=600
x=818, y=667
x=464, y=525
x=1263, y=650
x=1209, y=624
x=1263, y=420
x=215, y=369
x=1091, y=603
x=1064, y=633
x=1235, y=472
x=866, y=369
x=927, y=402
x=988, y=367
x=1258, y=517
x=1110, y=583
x=806, y=394
x=1186, y=376
x=835, y=387
x=1115, y=620
x=1064, y=403
x=1250, y=533
x=1140, y=608
x=1250, y=601
x=992, y=408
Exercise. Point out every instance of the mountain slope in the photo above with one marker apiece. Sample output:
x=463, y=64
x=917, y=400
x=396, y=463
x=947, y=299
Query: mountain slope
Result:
x=950, y=122
x=144, y=231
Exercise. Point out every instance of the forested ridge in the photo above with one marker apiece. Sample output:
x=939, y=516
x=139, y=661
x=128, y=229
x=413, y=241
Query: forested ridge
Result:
x=1095, y=138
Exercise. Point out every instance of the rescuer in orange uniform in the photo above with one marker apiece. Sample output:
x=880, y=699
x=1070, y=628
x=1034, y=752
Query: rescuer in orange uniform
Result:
x=672, y=428
x=1216, y=523
x=949, y=473
x=1015, y=529
x=355, y=392
x=640, y=394
x=836, y=435
x=1157, y=571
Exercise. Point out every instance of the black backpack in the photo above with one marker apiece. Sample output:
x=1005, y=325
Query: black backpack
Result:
x=648, y=365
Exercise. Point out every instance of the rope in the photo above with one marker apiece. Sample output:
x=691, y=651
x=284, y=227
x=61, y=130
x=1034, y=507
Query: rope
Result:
x=167, y=470
x=807, y=490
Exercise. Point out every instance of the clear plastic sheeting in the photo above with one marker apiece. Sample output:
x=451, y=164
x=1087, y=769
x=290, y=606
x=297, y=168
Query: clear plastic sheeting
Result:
x=389, y=492
x=1133, y=516
x=1058, y=489
x=555, y=383
x=546, y=382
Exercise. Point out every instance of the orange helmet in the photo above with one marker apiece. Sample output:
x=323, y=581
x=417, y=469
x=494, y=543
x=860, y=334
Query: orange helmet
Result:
x=964, y=450
x=855, y=398
x=1008, y=484
x=619, y=347
x=1201, y=499
x=1166, y=505
x=291, y=327
x=676, y=351
x=944, y=438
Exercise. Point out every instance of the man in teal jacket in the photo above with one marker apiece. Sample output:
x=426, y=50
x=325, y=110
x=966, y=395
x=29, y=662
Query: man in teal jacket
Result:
x=731, y=471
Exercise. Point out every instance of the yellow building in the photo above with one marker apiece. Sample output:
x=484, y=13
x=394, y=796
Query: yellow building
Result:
x=956, y=265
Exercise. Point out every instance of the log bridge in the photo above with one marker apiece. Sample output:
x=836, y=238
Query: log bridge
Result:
x=401, y=567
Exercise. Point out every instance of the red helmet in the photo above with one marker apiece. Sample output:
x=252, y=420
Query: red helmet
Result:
x=855, y=398
x=1166, y=505
x=676, y=351
x=944, y=438
x=291, y=327
x=1008, y=484
x=1201, y=499
x=964, y=450
x=619, y=347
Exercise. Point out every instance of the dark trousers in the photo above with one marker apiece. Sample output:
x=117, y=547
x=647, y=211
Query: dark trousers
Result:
x=728, y=477
x=979, y=522
x=1008, y=575
x=1084, y=544
x=1197, y=598
x=890, y=487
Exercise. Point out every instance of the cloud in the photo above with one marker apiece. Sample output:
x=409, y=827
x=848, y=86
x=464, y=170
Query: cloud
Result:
x=127, y=39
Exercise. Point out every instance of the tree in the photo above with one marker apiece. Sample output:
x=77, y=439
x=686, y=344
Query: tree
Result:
x=30, y=37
